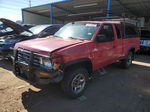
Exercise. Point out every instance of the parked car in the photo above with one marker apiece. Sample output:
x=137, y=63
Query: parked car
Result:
x=75, y=51
x=5, y=30
x=28, y=26
x=8, y=41
x=145, y=41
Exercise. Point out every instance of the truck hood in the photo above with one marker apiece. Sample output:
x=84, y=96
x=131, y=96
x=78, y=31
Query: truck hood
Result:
x=47, y=45
x=14, y=25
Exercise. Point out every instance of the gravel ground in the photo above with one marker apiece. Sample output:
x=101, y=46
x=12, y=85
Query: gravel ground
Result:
x=117, y=91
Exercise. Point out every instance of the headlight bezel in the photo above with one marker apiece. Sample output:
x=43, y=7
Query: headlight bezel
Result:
x=46, y=62
x=49, y=62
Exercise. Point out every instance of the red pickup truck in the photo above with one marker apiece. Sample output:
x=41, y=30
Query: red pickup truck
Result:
x=74, y=52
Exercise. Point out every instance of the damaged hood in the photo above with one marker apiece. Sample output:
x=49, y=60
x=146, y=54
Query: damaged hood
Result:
x=13, y=25
x=47, y=45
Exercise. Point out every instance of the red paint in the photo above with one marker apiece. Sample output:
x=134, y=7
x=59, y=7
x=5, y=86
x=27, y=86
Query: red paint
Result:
x=100, y=54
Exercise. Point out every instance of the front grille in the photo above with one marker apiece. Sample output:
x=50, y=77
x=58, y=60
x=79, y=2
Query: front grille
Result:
x=36, y=60
x=24, y=55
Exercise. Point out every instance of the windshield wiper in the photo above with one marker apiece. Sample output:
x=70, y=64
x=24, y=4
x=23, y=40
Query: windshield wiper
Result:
x=75, y=38
x=69, y=37
x=57, y=36
x=72, y=38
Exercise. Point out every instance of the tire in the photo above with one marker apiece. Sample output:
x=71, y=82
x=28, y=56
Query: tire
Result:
x=75, y=82
x=127, y=62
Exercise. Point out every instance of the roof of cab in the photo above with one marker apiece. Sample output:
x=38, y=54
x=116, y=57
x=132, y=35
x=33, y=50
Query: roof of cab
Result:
x=112, y=22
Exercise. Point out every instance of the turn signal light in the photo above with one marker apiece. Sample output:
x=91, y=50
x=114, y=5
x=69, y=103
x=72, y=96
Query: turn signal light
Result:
x=43, y=74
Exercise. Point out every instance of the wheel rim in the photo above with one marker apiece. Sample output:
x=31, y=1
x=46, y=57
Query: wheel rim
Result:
x=78, y=83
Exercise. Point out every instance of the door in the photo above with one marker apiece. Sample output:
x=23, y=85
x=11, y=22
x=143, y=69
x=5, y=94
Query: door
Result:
x=118, y=42
x=104, y=46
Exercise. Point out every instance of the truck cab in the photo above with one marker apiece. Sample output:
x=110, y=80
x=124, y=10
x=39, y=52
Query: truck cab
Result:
x=74, y=52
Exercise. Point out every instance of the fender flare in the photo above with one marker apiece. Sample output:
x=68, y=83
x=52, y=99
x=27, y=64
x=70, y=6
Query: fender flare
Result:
x=77, y=61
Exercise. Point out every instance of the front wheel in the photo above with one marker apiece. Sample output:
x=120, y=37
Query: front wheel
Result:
x=127, y=62
x=75, y=82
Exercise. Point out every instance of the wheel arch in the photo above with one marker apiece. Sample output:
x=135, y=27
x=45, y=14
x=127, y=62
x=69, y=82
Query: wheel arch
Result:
x=82, y=62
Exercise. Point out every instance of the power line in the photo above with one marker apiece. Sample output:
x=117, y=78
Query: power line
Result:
x=17, y=2
x=13, y=11
x=20, y=3
x=12, y=6
x=42, y=2
x=9, y=8
x=30, y=2
x=17, y=6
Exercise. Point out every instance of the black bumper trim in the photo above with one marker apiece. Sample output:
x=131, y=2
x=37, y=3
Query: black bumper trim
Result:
x=30, y=76
x=55, y=75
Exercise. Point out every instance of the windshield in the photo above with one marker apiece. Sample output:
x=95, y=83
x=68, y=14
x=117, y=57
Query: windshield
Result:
x=35, y=30
x=78, y=30
x=4, y=28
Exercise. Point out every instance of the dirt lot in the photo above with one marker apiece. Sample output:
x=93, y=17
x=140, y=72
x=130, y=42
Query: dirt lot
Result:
x=118, y=91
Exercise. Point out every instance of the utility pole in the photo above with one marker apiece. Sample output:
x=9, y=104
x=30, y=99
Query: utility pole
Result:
x=108, y=8
x=51, y=14
x=29, y=3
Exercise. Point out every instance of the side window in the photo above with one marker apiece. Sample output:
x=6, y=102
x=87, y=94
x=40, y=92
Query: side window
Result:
x=106, y=33
x=130, y=31
x=118, y=31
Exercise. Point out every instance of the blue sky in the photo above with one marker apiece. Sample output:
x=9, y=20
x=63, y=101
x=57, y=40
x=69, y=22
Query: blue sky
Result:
x=11, y=9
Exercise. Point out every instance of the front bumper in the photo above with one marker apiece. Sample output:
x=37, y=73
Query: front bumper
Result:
x=32, y=73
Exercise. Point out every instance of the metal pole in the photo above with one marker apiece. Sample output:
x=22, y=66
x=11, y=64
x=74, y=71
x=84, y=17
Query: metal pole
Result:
x=22, y=16
x=108, y=8
x=51, y=14
x=29, y=3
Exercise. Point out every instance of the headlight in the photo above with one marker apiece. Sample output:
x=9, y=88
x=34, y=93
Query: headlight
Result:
x=46, y=62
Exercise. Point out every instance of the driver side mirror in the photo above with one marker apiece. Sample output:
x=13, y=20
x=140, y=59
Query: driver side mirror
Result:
x=101, y=38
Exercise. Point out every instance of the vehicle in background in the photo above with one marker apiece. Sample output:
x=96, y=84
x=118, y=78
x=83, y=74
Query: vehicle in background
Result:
x=41, y=31
x=28, y=26
x=7, y=42
x=145, y=41
x=6, y=30
x=74, y=52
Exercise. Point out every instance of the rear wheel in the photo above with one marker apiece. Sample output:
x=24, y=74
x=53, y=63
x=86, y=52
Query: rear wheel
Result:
x=75, y=82
x=127, y=62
